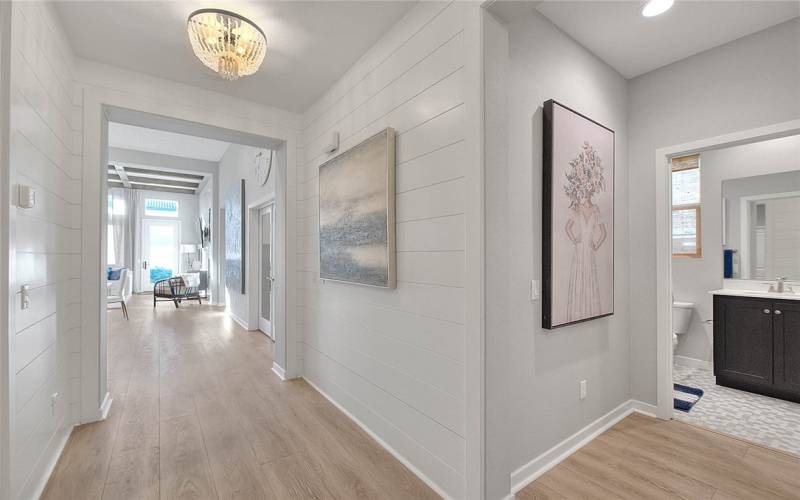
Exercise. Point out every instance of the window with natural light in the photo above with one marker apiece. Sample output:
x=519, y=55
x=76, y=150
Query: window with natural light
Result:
x=686, y=233
x=160, y=208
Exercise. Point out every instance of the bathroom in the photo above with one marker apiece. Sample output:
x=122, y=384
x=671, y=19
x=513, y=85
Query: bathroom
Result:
x=736, y=290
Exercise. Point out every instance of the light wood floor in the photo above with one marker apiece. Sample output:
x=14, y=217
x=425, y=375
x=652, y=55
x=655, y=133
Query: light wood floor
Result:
x=642, y=457
x=199, y=414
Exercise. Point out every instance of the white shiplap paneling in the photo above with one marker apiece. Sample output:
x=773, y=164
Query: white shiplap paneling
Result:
x=395, y=359
x=44, y=154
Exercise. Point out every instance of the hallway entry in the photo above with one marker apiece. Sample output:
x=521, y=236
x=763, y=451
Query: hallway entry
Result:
x=198, y=413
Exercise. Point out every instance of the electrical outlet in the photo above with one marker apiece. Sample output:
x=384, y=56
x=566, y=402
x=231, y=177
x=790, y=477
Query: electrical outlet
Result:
x=584, y=389
x=53, y=400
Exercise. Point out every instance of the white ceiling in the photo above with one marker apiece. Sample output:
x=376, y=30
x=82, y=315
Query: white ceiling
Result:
x=310, y=44
x=617, y=33
x=165, y=143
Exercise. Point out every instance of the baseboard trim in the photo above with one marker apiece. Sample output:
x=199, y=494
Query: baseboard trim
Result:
x=425, y=479
x=279, y=371
x=238, y=320
x=106, y=406
x=552, y=457
x=56, y=448
x=692, y=362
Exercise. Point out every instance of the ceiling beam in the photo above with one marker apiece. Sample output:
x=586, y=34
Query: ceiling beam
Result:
x=161, y=173
x=162, y=182
x=123, y=177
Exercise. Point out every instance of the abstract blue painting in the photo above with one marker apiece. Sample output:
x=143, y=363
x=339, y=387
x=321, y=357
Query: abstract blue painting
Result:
x=356, y=214
x=234, y=239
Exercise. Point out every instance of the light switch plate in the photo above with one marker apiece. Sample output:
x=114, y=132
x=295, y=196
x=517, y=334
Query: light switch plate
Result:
x=536, y=293
x=26, y=196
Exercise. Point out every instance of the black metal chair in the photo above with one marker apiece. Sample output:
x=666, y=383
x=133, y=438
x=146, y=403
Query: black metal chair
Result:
x=175, y=290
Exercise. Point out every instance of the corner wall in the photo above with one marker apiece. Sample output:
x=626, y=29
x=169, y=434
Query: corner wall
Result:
x=45, y=153
x=751, y=82
x=396, y=359
x=533, y=375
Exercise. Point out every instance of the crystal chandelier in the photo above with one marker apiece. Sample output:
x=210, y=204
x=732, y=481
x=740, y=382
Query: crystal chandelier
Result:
x=226, y=42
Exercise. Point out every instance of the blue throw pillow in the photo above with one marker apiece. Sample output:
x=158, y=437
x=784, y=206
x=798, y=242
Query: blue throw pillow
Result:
x=113, y=274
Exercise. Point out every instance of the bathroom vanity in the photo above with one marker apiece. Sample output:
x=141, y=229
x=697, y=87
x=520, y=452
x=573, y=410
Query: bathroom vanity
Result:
x=757, y=342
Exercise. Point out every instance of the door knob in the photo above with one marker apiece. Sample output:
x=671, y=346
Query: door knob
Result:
x=777, y=311
x=766, y=311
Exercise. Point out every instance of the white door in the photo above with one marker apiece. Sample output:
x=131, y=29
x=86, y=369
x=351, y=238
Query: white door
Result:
x=160, y=251
x=266, y=276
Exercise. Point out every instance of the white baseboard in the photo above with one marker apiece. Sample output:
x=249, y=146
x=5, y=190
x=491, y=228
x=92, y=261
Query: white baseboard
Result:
x=552, y=457
x=692, y=362
x=106, y=406
x=53, y=453
x=278, y=370
x=425, y=479
x=238, y=320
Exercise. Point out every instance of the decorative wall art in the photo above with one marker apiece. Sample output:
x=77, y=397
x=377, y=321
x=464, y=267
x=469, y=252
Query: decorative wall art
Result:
x=234, y=239
x=578, y=218
x=356, y=214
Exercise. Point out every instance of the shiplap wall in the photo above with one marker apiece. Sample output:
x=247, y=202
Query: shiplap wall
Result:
x=395, y=358
x=44, y=154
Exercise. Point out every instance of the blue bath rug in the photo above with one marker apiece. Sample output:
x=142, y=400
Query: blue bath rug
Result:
x=689, y=397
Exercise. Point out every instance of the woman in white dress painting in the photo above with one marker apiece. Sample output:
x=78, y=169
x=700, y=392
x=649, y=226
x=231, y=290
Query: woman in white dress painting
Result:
x=586, y=230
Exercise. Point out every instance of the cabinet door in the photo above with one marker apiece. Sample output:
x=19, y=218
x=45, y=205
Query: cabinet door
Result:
x=743, y=344
x=787, y=345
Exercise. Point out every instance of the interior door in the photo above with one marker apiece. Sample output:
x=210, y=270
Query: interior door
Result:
x=160, y=251
x=266, y=297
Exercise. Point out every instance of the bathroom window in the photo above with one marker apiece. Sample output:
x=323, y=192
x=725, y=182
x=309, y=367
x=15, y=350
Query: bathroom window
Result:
x=686, y=232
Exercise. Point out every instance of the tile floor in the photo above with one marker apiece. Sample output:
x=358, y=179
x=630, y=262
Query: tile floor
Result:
x=767, y=421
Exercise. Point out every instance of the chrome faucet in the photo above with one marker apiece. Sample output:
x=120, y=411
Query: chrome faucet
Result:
x=780, y=286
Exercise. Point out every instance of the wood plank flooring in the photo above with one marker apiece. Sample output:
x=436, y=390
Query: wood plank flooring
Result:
x=642, y=457
x=198, y=414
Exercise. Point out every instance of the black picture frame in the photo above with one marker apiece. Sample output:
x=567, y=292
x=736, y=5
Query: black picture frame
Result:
x=548, y=251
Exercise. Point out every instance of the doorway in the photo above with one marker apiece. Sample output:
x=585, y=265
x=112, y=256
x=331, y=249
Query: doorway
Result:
x=266, y=280
x=160, y=251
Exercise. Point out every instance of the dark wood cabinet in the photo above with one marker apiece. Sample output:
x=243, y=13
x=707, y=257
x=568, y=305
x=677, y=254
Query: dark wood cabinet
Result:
x=757, y=345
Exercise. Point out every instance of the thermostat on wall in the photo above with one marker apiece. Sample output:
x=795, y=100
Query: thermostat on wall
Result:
x=27, y=197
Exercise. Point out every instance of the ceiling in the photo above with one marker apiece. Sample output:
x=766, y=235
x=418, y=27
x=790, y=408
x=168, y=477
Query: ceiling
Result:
x=166, y=143
x=617, y=33
x=153, y=179
x=310, y=43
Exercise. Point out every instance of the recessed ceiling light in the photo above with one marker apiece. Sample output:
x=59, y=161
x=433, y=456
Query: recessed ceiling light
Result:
x=656, y=7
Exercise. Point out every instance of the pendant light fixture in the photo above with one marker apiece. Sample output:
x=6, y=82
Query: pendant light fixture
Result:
x=226, y=42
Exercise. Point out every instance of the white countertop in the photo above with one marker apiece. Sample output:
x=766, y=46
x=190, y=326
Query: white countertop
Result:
x=757, y=294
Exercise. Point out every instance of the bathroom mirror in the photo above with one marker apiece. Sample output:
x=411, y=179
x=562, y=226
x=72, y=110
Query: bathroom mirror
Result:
x=761, y=226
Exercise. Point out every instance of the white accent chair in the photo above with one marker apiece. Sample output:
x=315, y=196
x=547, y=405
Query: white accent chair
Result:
x=121, y=291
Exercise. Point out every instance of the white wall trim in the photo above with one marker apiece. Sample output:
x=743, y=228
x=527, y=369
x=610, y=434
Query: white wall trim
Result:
x=53, y=450
x=692, y=362
x=529, y=472
x=239, y=321
x=663, y=202
x=381, y=442
x=278, y=370
x=106, y=406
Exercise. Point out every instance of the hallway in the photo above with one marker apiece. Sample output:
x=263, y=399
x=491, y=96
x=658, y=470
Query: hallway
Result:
x=198, y=413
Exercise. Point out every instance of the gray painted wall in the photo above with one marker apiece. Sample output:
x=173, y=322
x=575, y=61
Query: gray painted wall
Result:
x=533, y=375
x=751, y=82
x=692, y=279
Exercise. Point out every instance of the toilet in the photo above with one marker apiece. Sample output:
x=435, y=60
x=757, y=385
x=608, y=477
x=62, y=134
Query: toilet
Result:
x=681, y=318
